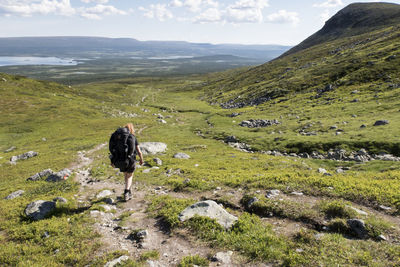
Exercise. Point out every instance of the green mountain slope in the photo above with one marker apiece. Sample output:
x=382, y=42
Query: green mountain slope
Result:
x=353, y=20
x=339, y=56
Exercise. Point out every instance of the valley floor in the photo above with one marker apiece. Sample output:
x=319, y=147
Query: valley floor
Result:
x=305, y=223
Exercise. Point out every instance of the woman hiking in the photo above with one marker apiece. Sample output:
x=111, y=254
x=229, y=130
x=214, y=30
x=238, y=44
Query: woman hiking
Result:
x=124, y=147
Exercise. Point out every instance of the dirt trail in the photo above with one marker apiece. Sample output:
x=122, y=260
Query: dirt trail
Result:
x=171, y=247
x=114, y=234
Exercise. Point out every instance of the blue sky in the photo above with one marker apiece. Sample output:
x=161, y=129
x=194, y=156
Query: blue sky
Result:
x=211, y=21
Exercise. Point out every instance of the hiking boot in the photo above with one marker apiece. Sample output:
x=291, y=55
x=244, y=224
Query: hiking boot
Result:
x=127, y=195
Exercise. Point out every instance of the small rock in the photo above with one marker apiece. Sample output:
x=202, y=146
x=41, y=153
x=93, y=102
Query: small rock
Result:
x=358, y=227
x=358, y=211
x=381, y=122
x=209, y=209
x=252, y=201
x=39, y=175
x=363, y=126
x=322, y=170
x=297, y=193
x=382, y=238
x=138, y=236
x=181, y=155
x=273, y=193
x=339, y=170
x=118, y=261
x=39, y=209
x=44, y=139
x=162, y=121
x=109, y=200
x=146, y=170
x=158, y=161
x=59, y=176
x=10, y=149
x=223, y=257
x=103, y=194
x=299, y=250
x=46, y=235
x=15, y=194
x=333, y=127
x=382, y=207
x=60, y=199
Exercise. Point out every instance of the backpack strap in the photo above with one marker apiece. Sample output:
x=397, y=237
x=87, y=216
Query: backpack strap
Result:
x=131, y=146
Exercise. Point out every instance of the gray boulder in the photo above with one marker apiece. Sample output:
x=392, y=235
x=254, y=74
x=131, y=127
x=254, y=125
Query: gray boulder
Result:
x=10, y=149
x=103, y=194
x=211, y=210
x=59, y=176
x=26, y=155
x=223, y=257
x=39, y=209
x=148, y=148
x=39, y=175
x=118, y=261
x=157, y=161
x=181, y=155
x=15, y=194
x=358, y=227
x=381, y=122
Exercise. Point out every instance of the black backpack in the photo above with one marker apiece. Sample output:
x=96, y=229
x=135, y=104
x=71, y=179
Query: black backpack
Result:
x=122, y=148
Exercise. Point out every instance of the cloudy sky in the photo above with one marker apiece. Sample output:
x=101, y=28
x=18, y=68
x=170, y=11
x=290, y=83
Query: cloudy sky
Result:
x=214, y=21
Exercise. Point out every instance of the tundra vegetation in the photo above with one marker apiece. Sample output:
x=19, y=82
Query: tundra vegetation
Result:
x=346, y=82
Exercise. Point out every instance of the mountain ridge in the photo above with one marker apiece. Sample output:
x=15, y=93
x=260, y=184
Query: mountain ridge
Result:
x=354, y=19
x=77, y=45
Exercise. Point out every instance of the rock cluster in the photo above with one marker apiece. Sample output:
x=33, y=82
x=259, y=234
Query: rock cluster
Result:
x=27, y=155
x=51, y=176
x=340, y=154
x=257, y=123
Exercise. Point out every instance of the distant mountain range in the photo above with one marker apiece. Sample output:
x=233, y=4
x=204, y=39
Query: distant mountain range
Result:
x=114, y=47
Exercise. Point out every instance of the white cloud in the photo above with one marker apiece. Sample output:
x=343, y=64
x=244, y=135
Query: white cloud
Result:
x=283, y=16
x=158, y=11
x=31, y=7
x=243, y=11
x=210, y=15
x=98, y=11
x=176, y=3
x=198, y=5
x=95, y=1
x=329, y=3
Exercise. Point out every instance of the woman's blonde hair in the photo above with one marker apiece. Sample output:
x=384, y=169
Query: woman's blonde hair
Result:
x=130, y=128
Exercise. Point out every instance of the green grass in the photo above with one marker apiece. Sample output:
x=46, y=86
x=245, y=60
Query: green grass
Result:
x=80, y=117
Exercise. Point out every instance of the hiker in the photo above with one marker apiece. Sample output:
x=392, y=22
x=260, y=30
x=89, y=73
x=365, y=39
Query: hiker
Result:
x=124, y=147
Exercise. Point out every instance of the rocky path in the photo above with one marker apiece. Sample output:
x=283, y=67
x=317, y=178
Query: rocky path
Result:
x=116, y=233
x=126, y=226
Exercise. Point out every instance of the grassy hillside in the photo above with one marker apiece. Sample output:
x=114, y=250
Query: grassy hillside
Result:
x=81, y=117
x=353, y=20
x=347, y=82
